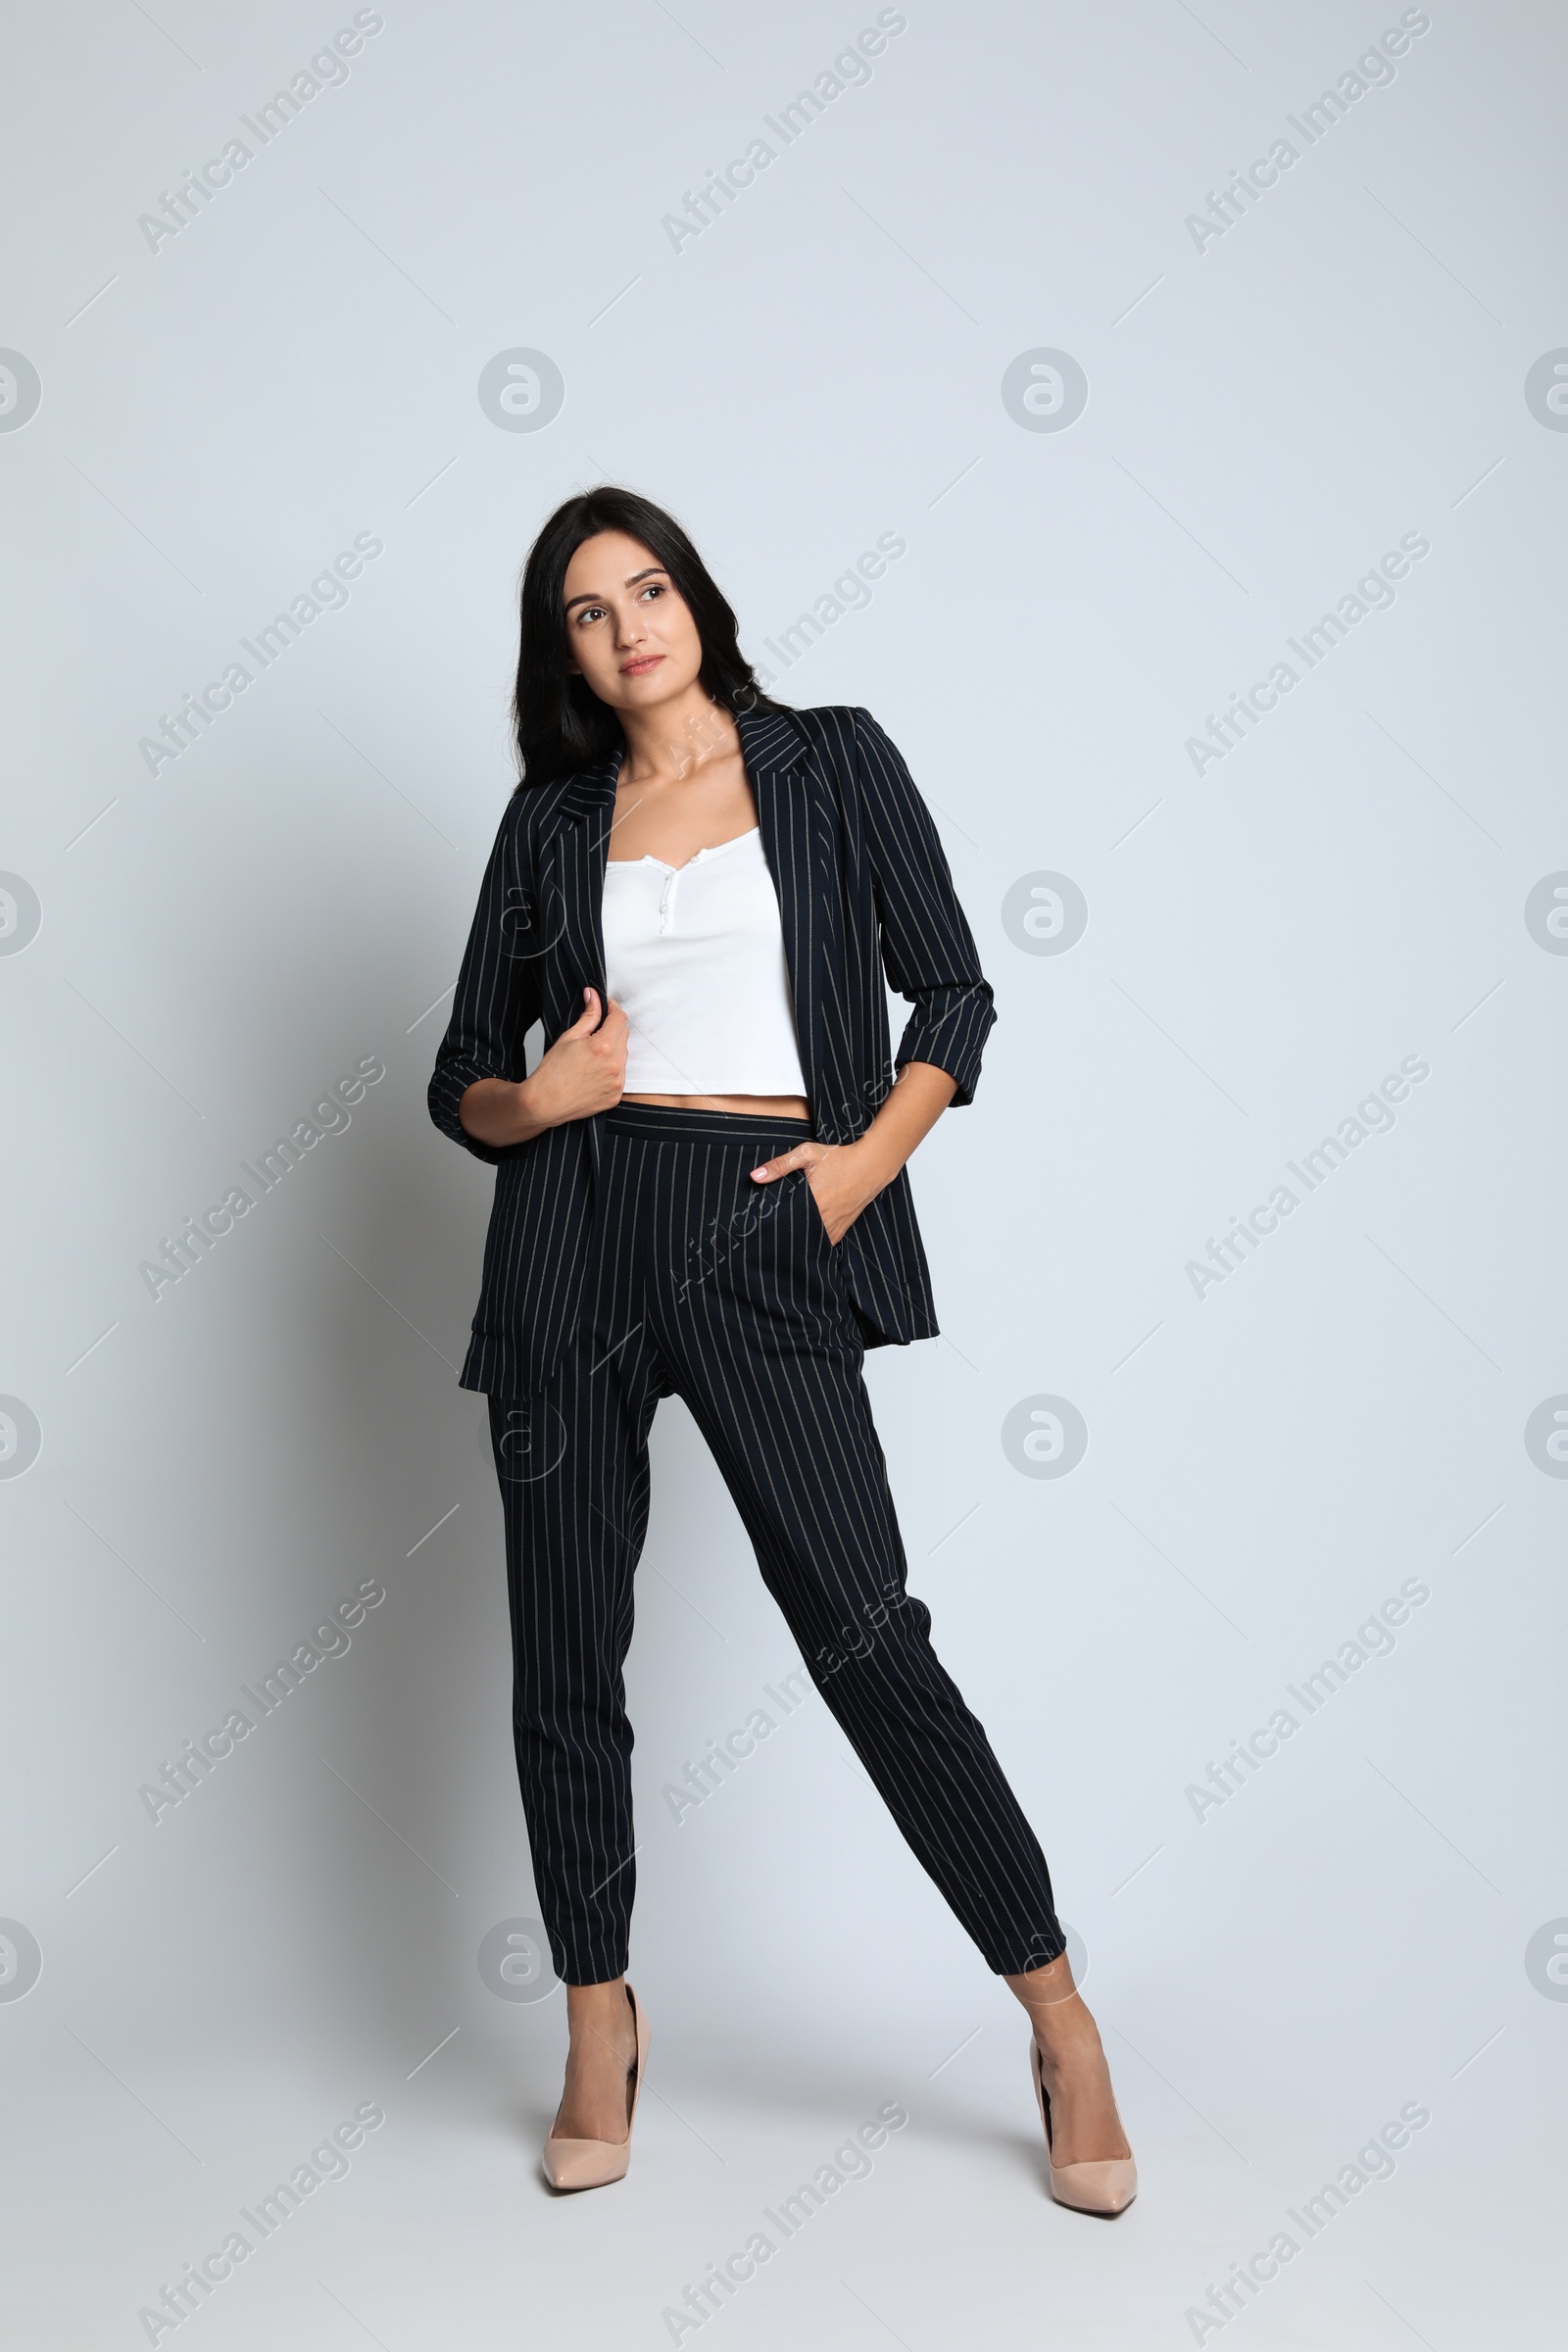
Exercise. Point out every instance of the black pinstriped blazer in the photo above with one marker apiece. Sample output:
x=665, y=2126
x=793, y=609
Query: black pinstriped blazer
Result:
x=863, y=889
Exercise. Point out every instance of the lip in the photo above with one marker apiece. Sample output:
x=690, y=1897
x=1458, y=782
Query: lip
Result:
x=641, y=667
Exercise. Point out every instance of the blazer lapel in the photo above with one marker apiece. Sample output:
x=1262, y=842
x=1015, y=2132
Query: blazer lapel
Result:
x=576, y=850
x=796, y=827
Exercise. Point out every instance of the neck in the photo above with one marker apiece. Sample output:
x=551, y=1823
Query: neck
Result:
x=677, y=737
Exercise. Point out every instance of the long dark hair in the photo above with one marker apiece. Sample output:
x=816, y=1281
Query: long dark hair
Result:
x=559, y=723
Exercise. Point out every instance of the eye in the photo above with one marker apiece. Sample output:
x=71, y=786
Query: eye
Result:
x=589, y=612
x=653, y=588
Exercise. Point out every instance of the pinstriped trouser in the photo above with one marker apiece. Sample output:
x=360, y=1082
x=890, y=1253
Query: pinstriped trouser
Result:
x=703, y=1285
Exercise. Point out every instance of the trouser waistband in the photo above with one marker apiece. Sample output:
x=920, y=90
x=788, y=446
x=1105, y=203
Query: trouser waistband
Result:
x=657, y=1122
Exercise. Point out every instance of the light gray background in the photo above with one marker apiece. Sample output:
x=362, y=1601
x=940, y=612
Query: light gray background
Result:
x=1265, y=1464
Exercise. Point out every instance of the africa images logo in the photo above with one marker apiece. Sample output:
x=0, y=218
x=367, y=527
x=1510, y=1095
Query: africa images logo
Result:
x=20, y=391
x=20, y=1960
x=1045, y=1437
x=1545, y=390
x=21, y=1436
x=21, y=914
x=521, y=389
x=1045, y=390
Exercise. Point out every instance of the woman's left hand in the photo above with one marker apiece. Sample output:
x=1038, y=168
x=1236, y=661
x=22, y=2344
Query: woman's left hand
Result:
x=841, y=1178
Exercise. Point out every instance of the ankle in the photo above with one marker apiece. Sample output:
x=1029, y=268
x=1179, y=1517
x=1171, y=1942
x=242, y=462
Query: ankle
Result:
x=600, y=2017
x=1064, y=2031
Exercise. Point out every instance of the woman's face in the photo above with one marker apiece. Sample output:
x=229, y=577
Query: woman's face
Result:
x=629, y=631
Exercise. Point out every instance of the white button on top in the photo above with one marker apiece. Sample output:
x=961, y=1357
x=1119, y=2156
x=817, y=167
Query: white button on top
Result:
x=673, y=873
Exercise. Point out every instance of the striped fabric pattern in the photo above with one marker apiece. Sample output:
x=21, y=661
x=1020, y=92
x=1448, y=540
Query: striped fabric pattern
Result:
x=864, y=891
x=703, y=1287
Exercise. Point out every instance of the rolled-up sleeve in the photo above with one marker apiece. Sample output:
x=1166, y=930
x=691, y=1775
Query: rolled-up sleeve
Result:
x=497, y=997
x=929, y=950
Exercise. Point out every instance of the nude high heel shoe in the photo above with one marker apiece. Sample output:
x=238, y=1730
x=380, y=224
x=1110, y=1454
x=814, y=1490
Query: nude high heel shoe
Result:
x=1106, y=2186
x=594, y=2163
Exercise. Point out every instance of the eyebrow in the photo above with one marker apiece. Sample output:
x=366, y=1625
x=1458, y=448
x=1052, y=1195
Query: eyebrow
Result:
x=632, y=578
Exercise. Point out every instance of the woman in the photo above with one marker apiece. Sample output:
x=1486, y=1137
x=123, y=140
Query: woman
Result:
x=701, y=1191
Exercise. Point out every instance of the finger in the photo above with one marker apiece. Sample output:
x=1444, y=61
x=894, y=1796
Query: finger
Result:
x=588, y=1018
x=782, y=1166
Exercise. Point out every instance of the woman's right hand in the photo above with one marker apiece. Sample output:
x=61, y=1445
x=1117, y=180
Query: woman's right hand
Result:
x=584, y=1072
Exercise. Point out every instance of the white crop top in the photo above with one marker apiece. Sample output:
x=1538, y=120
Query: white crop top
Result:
x=694, y=955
